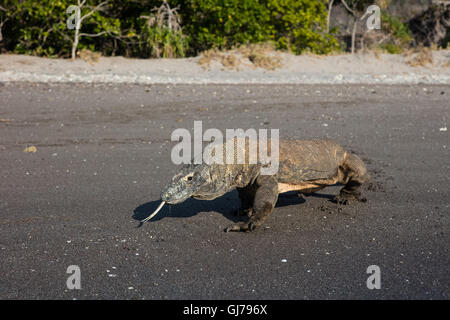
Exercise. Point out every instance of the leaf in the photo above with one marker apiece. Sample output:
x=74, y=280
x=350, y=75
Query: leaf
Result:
x=30, y=149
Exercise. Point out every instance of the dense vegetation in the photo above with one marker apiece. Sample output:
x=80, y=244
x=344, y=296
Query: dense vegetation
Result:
x=154, y=28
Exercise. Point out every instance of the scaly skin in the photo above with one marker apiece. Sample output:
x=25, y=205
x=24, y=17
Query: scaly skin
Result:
x=304, y=165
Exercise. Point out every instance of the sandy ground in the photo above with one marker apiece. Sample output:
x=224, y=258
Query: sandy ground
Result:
x=103, y=156
x=306, y=69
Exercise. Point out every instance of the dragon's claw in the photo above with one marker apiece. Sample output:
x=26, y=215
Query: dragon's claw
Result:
x=241, y=226
x=348, y=198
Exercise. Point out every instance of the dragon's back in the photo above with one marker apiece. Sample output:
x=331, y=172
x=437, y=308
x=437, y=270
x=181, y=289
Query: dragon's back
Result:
x=306, y=160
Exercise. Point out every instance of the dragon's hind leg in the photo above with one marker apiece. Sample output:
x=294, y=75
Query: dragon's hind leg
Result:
x=247, y=197
x=266, y=196
x=353, y=174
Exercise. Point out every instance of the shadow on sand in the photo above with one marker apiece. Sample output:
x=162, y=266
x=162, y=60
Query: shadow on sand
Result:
x=226, y=205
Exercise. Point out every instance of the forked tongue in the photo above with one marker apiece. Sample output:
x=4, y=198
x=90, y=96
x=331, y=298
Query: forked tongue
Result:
x=154, y=213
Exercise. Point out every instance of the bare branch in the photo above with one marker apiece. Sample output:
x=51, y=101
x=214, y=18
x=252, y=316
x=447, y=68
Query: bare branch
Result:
x=165, y=16
x=92, y=35
x=347, y=7
x=93, y=10
x=65, y=36
x=78, y=35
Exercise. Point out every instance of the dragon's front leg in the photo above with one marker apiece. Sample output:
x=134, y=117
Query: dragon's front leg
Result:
x=266, y=196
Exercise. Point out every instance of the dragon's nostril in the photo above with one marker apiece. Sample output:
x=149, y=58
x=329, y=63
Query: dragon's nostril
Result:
x=164, y=197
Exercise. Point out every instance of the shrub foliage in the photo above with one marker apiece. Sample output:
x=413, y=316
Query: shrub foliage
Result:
x=39, y=28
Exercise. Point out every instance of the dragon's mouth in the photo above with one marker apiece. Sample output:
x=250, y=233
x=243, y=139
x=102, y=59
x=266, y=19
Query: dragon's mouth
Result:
x=205, y=197
x=174, y=199
x=164, y=200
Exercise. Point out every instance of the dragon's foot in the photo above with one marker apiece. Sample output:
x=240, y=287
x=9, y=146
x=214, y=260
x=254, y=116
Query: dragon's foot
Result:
x=345, y=198
x=241, y=226
x=243, y=212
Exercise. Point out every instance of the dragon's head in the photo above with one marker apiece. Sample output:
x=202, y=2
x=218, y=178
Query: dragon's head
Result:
x=192, y=180
x=186, y=183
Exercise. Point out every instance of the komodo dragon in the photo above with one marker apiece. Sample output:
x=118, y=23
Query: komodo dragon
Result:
x=304, y=165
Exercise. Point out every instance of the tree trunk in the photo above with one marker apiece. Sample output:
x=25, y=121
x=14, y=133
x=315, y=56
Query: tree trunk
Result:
x=75, y=45
x=77, y=36
x=330, y=6
x=355, y=25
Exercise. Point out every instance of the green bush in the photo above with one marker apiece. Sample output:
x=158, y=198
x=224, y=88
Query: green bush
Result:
x=161, y=34
x=297, y=25
x=225, y=23
x=162, y=43
x=391, y=48
x=39, y=28
x=399, y=35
